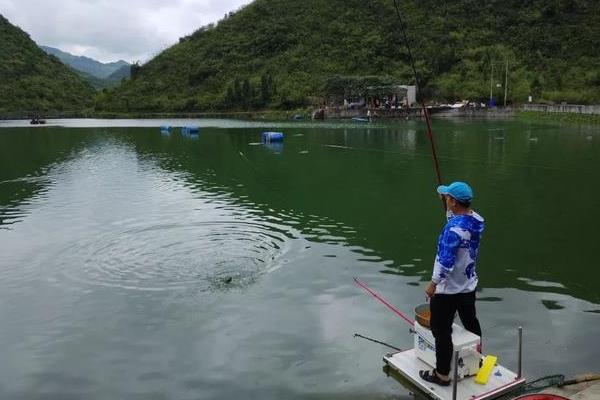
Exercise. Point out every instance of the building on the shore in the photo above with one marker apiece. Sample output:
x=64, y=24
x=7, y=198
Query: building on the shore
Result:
x=389, y=96
x=369, y=92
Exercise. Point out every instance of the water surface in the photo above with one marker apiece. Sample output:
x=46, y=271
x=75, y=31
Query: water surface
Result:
x=136, y=264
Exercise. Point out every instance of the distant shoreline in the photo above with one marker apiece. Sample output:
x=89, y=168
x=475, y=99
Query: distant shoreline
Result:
x=142, y=115
x=305, y=114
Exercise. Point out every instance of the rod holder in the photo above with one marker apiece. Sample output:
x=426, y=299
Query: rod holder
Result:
x=455, y=376
x=520, y=368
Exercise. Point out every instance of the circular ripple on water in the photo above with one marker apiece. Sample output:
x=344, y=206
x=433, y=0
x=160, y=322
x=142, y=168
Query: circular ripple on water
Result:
x=203, y=256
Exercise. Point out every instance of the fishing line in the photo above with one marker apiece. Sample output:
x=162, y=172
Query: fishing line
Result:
x=463, y=160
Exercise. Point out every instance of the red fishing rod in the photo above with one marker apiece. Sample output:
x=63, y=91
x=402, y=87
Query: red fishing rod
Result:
x=384, y=301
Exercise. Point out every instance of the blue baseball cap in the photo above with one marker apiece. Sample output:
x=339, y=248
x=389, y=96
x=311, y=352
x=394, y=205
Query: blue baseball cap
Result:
x=459, y=190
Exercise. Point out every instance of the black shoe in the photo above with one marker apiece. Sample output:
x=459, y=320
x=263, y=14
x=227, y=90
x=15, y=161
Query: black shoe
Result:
x=431, y=377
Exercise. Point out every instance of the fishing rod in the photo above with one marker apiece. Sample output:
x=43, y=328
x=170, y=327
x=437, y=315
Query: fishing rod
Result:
x=377, y=341
x=420, y=99
x=579, y=379
x=384, y=301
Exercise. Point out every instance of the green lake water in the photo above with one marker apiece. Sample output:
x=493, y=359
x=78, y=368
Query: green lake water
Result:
x=135, y=264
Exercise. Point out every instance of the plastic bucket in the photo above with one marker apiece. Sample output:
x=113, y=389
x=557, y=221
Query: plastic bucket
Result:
x=423, y=314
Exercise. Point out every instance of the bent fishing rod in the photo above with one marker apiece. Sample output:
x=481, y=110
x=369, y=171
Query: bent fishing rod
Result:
x=424, y=109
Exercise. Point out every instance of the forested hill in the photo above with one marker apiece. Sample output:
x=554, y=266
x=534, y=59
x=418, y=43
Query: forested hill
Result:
x=283, y=53
x=32, y=82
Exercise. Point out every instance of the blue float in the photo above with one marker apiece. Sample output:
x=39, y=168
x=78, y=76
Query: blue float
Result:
x=270, y=137
x=165, y=129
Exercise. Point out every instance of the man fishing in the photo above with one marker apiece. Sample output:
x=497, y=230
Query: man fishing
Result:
x=453, y=283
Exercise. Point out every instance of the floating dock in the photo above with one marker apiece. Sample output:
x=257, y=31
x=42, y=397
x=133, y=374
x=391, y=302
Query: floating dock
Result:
x=501, y=381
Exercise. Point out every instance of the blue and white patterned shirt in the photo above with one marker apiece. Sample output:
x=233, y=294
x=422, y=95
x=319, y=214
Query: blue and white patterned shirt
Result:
x=458, y=245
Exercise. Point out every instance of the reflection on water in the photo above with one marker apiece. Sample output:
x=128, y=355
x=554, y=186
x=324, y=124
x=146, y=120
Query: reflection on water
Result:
x=26, y=158
x=137, y=264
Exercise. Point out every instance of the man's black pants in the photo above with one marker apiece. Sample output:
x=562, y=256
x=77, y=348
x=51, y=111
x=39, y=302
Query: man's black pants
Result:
x=443, y=310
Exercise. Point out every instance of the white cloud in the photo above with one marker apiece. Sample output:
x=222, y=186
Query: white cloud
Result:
x=108, y=30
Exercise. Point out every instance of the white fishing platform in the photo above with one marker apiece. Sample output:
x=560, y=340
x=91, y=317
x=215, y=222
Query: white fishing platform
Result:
x=408, y=363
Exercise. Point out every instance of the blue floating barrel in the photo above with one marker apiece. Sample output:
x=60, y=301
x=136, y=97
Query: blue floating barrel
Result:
x=270, y=137
x=190, y=130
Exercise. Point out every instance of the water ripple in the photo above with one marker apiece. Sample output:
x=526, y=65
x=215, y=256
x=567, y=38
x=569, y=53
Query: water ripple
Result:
x=207, y=255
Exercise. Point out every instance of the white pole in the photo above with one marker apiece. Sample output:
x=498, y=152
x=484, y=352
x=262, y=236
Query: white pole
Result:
x=506, y=83
x=492, y=84
x=520, y=355
x=455, y=377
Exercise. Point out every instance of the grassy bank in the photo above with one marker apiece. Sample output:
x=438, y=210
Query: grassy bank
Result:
x=559, y=117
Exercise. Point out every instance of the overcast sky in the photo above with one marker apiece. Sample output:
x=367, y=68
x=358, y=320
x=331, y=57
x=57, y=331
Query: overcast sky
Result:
x=108, y=30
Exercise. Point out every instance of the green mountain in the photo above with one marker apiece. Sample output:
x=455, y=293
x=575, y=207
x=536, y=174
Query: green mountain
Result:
x=32, y=81
x=97, y=83
x=286, y=53
x=86, y=64
x=120, y=74
x=112, y=80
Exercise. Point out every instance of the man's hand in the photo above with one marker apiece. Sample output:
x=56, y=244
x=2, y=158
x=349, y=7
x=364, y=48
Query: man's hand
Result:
x=430, y=289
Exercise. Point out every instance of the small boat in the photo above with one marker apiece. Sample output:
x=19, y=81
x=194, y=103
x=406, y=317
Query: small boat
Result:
x=361, y=119
x=37, y=121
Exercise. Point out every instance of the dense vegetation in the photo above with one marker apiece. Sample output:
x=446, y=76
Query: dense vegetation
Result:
x=282, y=53
x=112, y=80
x=32, y=82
